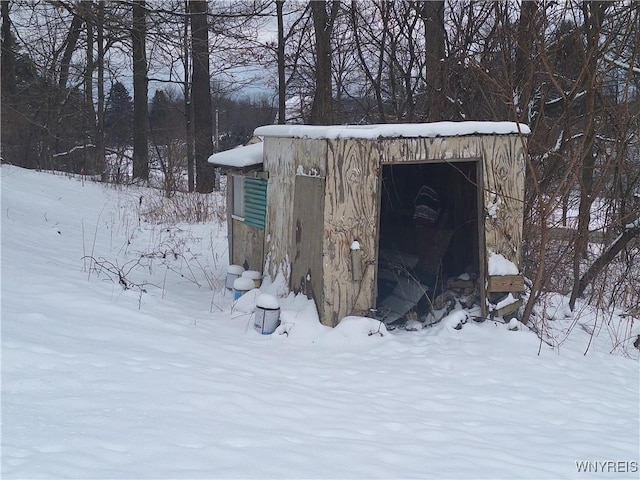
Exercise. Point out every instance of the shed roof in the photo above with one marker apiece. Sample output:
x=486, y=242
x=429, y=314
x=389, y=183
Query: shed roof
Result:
x=239, y=157
x=403, y=130
x=250, y=155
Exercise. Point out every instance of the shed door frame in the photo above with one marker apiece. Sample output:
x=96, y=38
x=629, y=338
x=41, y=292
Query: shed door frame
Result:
x=482, y=272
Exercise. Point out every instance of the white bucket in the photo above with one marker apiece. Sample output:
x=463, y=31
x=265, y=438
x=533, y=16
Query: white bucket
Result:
x=255, y=276
x=241, y=286
x=233, y=272
x=267, y=315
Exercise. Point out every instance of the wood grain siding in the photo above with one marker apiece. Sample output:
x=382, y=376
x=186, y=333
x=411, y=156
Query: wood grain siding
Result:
x=282, y=158
x=425, y=150
x=350, y=213
x=247, y=246
x=278, y=162
x=504, y=170
x=306, y=261
x=505, y=283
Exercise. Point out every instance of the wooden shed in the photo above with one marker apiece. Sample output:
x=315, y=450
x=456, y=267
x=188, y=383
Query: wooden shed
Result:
x=333, y=209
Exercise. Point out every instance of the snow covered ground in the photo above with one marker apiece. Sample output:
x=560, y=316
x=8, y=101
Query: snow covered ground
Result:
x=168, y=379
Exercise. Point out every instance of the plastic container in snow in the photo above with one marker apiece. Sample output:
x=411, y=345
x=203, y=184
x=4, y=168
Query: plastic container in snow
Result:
x=253, y=275
x=233, y=272
x=267, y=315
x=241, y=286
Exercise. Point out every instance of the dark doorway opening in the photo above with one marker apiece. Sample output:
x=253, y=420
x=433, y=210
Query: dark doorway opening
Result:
x=428, y=236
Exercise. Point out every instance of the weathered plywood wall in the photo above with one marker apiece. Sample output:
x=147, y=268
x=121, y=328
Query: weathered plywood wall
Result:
x=504, y=172
x=350, y=213
x=439, y=149
x=306, y=261
x=284, y=158
x=247, y=246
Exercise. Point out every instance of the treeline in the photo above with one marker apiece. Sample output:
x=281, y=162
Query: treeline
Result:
x=570, y=70
x=63, y=60
x=235, y=119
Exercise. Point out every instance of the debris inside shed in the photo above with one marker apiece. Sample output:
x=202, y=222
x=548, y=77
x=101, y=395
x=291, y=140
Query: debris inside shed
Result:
x=411, y=301
x=428, y=252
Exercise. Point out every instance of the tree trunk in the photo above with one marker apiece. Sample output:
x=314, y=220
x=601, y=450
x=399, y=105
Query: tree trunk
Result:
x=525, y=64
x=594, y=17
x=140, y=94
x=537, y=286
x=188, y=106
x=432, y=14
x=322, y=107
x=8, y=70
x=375, y=80
x=603, y=260
x=201, y=96
x=281, y=65
x=57, y=99
x=90, y=153
x=100, y=147
x=71, y=41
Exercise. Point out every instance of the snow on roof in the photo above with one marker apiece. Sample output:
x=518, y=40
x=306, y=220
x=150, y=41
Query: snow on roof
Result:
x=250, y=155
x=406, y=130
x=244, y=156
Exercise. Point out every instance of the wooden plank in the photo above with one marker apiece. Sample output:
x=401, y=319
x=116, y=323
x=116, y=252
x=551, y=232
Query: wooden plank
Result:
x=502, y=201
x=306, y=262
x=350, y=213
x=423, y=150
x=507, y=309
x=505, y=283
x=503, y=185
x=247, y=246
x=230, y=232
x=482, y=242
x=283, y=157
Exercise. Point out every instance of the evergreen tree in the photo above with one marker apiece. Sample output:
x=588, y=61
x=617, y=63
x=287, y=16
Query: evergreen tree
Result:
x=160, y=116
x=118, y=116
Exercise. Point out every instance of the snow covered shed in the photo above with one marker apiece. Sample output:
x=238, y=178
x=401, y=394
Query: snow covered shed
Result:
x=375, y=220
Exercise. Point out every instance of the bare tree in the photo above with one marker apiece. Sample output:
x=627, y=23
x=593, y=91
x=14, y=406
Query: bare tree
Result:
x=188, y=104
x=432, y=14
x=201, y=95
x=369, y=43
x=282, y=87
x=100, y=146
x=322, y=107
x=140, y=93
x=8, y=61
x=8, y=77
